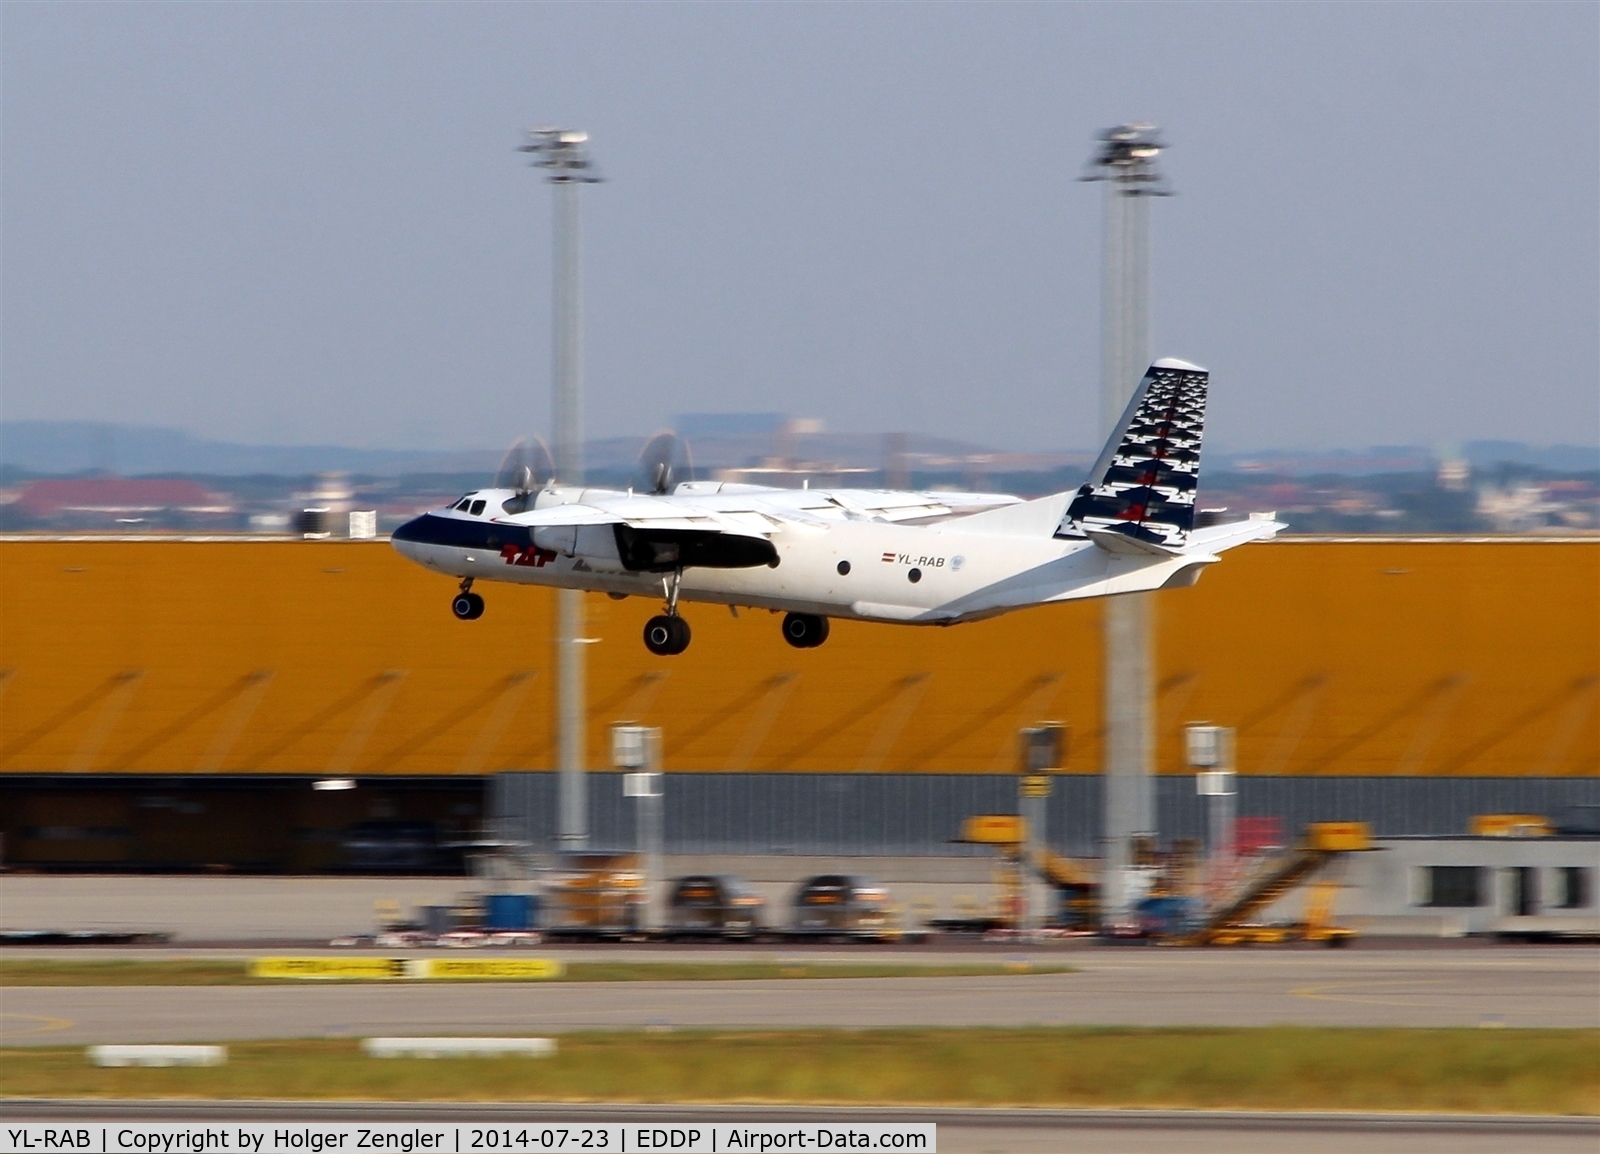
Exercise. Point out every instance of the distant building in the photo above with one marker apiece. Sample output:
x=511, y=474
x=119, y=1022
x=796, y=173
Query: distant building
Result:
x=110, y=502
x=728, y=424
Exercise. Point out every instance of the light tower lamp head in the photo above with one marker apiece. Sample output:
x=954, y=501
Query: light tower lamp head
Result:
x=562, y=151
x=1127, y=155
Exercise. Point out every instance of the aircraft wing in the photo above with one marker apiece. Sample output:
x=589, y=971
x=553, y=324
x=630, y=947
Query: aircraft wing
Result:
x=749, y=511
x=649, y=513
x=892, y=506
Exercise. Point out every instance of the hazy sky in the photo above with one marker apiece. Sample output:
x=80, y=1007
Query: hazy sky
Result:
x=306, y=222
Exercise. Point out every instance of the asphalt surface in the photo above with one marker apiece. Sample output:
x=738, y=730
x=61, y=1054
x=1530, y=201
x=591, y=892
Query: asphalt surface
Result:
x=1512, y=987
x=961, y=1131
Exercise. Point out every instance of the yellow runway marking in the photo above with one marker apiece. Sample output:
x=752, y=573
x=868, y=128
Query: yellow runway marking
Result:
x=46, y=1025
x=1319, y=992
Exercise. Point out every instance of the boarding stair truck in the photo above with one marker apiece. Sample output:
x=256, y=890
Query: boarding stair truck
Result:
x=1317, y=861
x=1075, y=886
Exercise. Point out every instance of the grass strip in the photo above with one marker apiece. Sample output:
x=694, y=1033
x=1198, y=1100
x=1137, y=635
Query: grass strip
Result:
x=234, y=972
x=1272, y=1068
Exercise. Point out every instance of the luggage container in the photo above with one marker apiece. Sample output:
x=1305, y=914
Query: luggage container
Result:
x=842, y=907
x=714, y=906
x=510, y=912
x=595, y=895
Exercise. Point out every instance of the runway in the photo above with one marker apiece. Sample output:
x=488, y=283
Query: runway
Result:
x=1512, y=987
x=961, y=1131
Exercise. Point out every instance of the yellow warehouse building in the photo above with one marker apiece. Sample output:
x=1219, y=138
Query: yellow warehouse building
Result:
x=232, y=658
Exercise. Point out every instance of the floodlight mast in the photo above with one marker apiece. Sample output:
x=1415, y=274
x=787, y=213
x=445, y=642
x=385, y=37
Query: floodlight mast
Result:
x=563, y=154
x=1126, y=163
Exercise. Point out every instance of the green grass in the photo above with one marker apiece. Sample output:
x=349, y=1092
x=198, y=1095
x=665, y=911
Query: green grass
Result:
x=1275, y=1068
x=231, y=972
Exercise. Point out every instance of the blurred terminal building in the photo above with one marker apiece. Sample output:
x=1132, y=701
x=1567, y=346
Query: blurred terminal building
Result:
x=177, y=703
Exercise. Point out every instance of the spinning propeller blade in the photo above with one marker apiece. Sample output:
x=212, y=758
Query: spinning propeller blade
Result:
x=663, y=461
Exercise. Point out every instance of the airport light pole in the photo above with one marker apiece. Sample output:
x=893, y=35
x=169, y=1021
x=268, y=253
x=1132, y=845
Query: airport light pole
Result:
x=1209, y=749
x=636, y=749
x=562, y=153
x=1126, y=164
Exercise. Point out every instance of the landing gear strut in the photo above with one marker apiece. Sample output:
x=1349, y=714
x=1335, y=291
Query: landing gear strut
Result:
x=804, y=630
x=667, y=634
x=467, y=605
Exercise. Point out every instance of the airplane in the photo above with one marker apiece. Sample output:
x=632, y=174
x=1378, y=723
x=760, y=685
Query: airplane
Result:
x=913, y=558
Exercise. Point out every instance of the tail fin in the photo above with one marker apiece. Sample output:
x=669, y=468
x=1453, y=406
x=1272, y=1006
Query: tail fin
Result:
x=1143, y=486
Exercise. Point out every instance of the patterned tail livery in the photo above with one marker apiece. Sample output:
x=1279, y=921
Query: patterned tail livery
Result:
x=1143, y=486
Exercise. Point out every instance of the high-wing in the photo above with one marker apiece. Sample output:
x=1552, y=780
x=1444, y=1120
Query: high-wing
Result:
x=930, y=558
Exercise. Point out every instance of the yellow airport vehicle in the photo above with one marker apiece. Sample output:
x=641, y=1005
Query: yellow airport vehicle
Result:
x=1511, y=825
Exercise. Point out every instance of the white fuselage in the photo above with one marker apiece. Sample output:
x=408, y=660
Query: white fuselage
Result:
x=936, y=574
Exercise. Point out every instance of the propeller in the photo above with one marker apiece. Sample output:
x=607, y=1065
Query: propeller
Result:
x=526, y=468
x=663, y=459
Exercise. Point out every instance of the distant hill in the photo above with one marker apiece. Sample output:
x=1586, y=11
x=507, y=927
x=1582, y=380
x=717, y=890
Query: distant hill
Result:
x=70, y=447
x=64, y=448
x=1481, y=455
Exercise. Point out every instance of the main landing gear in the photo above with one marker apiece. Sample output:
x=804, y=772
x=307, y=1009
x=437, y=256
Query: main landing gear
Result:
x=667, y=634
x=467, y=605
x=804, y=630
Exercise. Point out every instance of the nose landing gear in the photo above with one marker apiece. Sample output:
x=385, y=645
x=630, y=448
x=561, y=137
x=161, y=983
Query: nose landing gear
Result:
x=667, y=634
x=467, y=605
x=804, y=630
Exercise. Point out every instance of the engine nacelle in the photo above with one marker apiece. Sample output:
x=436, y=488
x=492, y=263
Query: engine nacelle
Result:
x=626, y=549
x=596, y=544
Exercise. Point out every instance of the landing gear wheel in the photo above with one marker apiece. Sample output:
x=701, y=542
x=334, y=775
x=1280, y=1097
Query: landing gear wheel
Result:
x=804, y=630
x=467, y=606
x=666, y=636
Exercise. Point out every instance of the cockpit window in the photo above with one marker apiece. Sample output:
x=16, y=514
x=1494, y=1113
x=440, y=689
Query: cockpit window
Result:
x=463, y=503
x=477, y=507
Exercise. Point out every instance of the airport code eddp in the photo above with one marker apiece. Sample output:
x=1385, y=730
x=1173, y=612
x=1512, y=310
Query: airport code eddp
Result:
x=341, y=1137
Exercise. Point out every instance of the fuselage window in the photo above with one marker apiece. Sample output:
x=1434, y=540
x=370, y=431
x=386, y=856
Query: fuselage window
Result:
x=477, y=508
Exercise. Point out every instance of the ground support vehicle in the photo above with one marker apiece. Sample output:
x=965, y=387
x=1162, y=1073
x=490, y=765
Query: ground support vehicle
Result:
x=1317, y=862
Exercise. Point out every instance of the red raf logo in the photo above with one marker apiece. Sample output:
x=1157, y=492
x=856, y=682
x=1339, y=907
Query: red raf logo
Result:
x=526, y=555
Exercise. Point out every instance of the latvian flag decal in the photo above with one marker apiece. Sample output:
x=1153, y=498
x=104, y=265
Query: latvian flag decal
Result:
x=889, y=557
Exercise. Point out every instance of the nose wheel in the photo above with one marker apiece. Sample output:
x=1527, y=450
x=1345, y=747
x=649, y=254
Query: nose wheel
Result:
x=666, y=636
x=804, y=630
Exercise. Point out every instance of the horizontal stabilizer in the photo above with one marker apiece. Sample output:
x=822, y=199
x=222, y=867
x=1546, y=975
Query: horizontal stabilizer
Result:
x=1127, y=545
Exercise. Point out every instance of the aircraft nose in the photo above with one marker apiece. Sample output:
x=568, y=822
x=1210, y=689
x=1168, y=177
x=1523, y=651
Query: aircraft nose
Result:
x=409, y=536
x=412, y=530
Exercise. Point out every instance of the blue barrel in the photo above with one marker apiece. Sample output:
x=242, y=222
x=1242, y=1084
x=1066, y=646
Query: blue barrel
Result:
x=508, y=911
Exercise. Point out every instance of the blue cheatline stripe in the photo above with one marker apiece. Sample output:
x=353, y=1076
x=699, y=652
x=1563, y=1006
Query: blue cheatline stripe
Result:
x=431, y=529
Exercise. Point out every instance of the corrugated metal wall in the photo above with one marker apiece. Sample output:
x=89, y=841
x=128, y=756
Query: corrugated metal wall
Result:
x=1371, y=658
x=917, y=814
